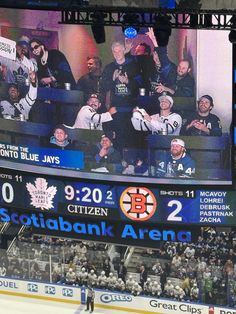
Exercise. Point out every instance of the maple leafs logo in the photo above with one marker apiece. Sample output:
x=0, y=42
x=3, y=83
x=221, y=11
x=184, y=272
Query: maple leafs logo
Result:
x=41, y=195
x=20, y=75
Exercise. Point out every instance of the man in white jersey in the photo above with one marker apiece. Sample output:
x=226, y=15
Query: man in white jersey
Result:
x=165, y=122
x=89, y=118
x=14, y=106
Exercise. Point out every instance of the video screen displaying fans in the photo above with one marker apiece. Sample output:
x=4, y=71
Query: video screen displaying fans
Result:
x=153, y=109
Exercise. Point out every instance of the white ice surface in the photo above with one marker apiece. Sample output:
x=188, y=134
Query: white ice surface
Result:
x=22, y=305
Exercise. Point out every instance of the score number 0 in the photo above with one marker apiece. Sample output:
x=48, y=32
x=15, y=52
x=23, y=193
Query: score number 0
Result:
x=7, y=193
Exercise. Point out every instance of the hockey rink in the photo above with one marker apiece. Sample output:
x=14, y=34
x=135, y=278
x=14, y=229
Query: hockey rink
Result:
x=22, y=305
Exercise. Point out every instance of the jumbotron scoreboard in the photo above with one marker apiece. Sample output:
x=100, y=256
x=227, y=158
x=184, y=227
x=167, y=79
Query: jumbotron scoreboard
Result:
x=118, y=202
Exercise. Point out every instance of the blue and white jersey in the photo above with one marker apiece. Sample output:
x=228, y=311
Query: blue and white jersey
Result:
x=17, y=71
x=169, y=167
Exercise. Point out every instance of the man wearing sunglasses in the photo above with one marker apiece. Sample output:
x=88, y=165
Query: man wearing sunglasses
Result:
x=53, y=68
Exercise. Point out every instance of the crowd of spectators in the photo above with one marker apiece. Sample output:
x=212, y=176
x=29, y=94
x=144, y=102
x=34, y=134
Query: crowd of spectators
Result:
x=204, y=271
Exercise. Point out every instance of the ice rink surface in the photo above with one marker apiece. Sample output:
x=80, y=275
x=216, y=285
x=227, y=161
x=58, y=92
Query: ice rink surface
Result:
x=22, y=305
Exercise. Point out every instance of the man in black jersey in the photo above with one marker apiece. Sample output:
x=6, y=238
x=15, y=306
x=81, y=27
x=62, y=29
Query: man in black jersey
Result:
x=120, y=83
x=203, y=122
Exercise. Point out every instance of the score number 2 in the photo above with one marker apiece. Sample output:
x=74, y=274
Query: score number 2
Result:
x=173, y=216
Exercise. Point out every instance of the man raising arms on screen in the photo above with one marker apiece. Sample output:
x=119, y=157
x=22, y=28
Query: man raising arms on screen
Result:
x=184, y=86
x=165, y=122
x=89, y=118
x=14, y=107
x=175, y=80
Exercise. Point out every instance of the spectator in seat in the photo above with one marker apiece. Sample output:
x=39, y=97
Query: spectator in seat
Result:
x=104, y=152
x=88, y=116
x=177, y=163
x=166, y=122
x=203, y=122
x=60, y=139
x=17, y=108
x=90, y=82
x=53, y=68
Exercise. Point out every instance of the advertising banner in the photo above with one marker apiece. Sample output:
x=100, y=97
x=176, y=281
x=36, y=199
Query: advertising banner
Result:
x=104, y=299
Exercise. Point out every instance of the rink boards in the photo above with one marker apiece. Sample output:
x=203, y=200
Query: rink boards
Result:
x=104, y=299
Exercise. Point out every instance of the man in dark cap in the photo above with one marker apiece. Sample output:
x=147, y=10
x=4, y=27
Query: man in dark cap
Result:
x=203, y=122
x=104, y=152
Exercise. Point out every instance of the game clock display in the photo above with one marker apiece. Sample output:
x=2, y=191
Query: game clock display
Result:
x=118, y=202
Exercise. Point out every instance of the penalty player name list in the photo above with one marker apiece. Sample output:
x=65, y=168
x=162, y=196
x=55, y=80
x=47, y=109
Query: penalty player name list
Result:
x=213, y=207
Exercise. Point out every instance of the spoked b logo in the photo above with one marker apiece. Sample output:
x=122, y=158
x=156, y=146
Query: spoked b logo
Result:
x=138, y=203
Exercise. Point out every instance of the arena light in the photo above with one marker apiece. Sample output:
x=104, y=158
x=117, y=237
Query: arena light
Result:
x=207, y=20
x=129, y=28
x=232, y=36
x=162, y=29
x=98, y=27
x=189, y=5
x=194, y=19
x=130, y=32
x=232, y=33
x=167, y=4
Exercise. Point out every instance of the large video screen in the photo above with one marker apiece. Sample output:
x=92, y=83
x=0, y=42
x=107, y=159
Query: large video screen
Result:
x=152, y=109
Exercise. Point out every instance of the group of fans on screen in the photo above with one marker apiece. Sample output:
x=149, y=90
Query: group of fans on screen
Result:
x=112, y=101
